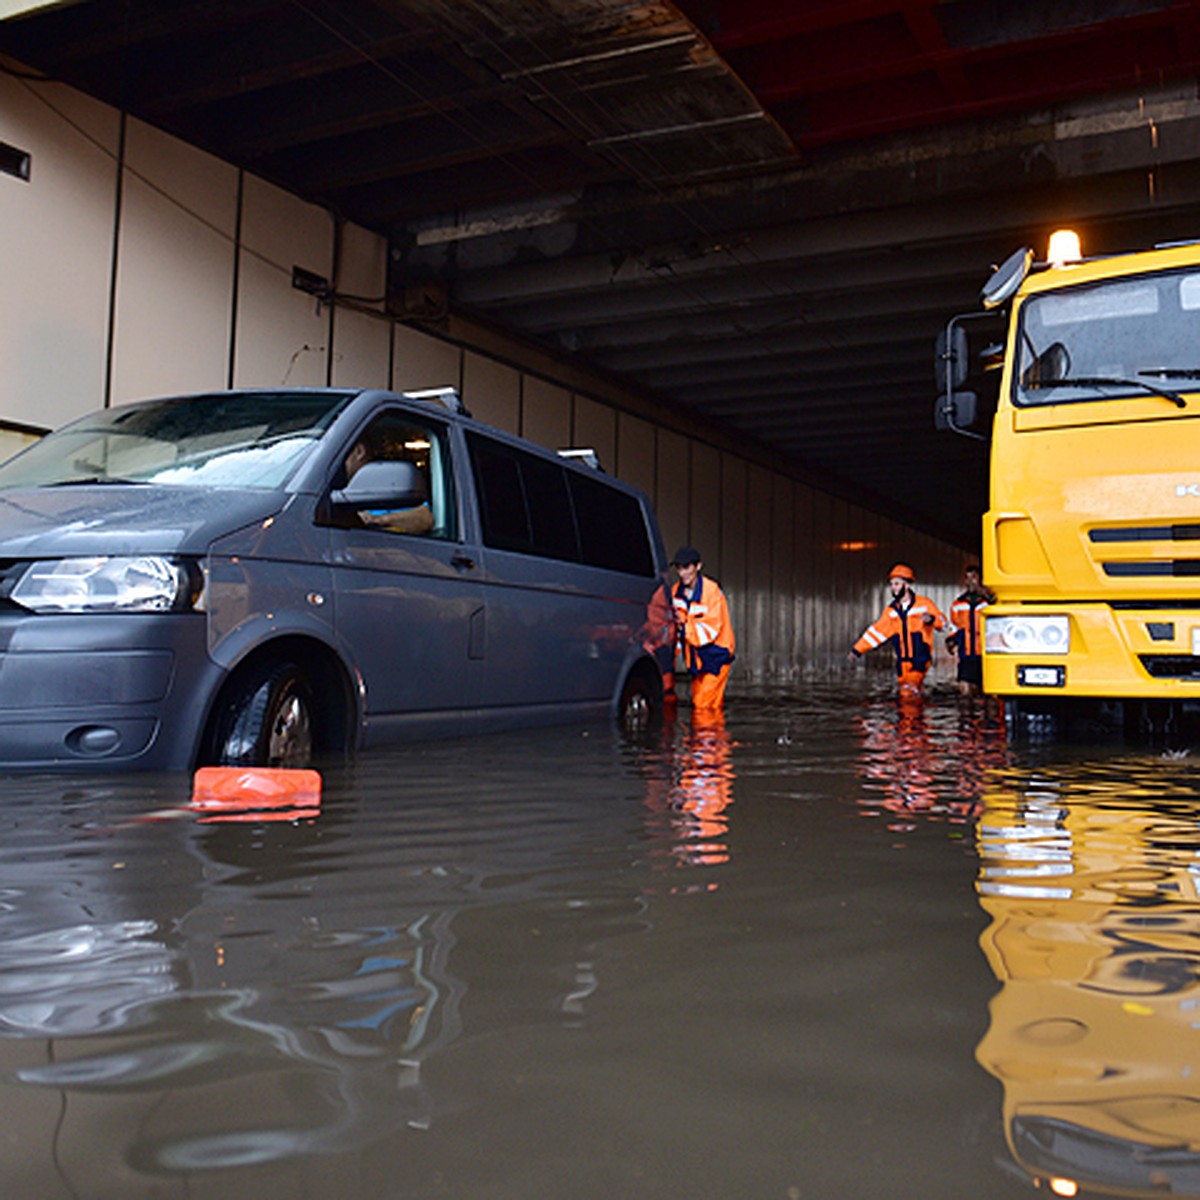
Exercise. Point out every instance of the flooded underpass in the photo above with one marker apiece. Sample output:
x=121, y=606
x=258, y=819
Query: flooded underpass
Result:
x=826, y=947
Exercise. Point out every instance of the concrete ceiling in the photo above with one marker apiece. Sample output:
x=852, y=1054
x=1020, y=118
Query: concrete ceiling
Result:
x=760, y=212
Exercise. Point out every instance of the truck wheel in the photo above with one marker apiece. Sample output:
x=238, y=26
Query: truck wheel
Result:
x=640, y=707
x=269, y=722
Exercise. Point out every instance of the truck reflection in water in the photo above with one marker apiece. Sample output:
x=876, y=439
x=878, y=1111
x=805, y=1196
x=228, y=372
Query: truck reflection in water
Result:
x=1091, y=887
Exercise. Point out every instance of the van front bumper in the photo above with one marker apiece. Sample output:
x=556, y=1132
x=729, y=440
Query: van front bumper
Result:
x=103, y=691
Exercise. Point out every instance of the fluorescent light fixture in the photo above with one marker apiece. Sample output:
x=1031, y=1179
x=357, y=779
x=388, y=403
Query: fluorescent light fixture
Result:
x=21, y=8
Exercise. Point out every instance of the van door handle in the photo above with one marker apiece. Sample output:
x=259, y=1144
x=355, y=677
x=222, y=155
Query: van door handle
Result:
x=463, y=562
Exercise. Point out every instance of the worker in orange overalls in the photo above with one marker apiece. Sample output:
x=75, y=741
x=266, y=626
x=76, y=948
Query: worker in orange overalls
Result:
x=706, y=638
x=966, y=642
x=659, y=637
x=907, y=623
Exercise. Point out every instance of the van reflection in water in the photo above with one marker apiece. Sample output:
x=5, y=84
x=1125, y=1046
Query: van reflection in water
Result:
x=1095, y=939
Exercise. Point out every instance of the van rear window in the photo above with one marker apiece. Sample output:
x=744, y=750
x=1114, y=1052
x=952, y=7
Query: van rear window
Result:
x=537, y=506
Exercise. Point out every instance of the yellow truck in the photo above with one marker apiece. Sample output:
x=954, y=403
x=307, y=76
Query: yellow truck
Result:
x=1091, y=541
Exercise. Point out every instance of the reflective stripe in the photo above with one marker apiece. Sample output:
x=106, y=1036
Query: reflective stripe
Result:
x=706, y=633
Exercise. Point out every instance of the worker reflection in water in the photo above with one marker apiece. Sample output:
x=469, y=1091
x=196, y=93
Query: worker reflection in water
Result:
x=705, y=631
x=907, y=623
x=966, y=642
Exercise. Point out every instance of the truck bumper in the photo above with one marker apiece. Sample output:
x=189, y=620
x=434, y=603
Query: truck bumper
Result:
x=1149, y=652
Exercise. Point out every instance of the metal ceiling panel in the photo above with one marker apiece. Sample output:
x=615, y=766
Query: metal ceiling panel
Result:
x=759, y=212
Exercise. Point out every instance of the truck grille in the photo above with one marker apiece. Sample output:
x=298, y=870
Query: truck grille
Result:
x=1172, y=666
x=1148, y=567
x=1146, y=533
x=1170, y=566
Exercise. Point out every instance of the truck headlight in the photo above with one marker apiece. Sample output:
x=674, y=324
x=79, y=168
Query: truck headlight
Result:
x=1027, y=635
x=138, y=583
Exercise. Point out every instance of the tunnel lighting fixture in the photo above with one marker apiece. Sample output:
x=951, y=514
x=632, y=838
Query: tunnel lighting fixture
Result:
x=18, y=8
x=1064, y=248
x=14, y=162
x=310, y=282
x=856, y=547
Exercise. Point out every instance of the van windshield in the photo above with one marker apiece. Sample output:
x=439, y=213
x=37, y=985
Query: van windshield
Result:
x=1120, y=339
x=232, y=439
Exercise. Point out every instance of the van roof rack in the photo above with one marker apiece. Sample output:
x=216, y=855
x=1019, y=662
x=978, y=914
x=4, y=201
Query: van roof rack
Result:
x=447, y=397
x=585, y=455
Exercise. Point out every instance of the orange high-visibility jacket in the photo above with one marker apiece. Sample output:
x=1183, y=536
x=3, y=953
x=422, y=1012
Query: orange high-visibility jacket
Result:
x=908, y=632
x=706, y=634
x=966, y=613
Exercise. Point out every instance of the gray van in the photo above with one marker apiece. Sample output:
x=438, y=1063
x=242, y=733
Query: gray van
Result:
x=271, y=577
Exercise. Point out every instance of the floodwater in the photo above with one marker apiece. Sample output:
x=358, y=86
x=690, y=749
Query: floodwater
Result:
x=827, y=948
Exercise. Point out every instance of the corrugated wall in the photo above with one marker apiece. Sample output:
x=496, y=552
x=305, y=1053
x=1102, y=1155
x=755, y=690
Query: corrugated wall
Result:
x=137, y=265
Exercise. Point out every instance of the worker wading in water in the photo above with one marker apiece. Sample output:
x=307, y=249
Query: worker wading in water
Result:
x=907, y=624
x=705, y=631
x=966, y=642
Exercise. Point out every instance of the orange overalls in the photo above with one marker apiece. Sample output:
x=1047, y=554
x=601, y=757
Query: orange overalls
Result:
x=706, y=640
x=907, y=629
x=658, y=636
x=967, y=616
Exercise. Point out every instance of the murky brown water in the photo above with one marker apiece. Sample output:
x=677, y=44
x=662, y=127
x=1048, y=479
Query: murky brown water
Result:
x=827, y=949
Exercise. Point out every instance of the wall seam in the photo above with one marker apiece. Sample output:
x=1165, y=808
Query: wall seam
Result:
x=114, y=266
x=236, y=281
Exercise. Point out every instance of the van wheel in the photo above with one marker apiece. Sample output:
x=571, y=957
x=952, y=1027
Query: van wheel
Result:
x=269, y=721
x=640, y=708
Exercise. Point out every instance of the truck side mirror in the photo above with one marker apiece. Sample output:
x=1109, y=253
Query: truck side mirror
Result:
x=950, y=365
x=957, y=411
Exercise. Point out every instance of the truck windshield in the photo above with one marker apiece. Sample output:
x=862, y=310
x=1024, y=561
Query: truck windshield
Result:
x=1128, y=337
x=232, y=439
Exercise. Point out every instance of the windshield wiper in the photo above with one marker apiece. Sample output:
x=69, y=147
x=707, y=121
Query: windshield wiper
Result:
x=90, y=480
x=1172, y=372
x=1042, y=385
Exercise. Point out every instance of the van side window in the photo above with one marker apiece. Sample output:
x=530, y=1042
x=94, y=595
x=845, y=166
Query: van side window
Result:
x=398, y=437
x=612, y=528
x=537, y=506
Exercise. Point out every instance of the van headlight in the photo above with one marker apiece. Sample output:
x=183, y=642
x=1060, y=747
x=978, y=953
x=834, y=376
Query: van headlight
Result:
x=138, y=583
x=1027, y=635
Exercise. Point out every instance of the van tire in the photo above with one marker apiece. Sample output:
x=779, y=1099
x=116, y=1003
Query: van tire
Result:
x=640, y=707
x=270, y=721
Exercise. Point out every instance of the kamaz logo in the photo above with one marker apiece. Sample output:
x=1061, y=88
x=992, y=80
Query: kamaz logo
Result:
x=1188, y=489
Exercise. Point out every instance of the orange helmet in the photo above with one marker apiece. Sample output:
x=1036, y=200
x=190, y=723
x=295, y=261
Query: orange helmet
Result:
x=902, y=571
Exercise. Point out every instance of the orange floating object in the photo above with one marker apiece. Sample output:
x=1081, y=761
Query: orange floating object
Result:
x=256, y=794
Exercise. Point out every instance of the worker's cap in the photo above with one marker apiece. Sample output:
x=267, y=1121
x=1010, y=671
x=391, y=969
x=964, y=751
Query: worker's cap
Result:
x=902, y=571
x=685, y=556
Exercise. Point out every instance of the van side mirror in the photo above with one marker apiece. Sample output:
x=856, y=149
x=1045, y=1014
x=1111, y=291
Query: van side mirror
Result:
x=957, y=411
x=392, y=484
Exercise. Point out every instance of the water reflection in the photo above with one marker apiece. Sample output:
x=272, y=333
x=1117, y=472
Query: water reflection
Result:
x=250, y=990
x=558, y=964
x=689, y=790
x=928, y=761
x=1089, y=878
